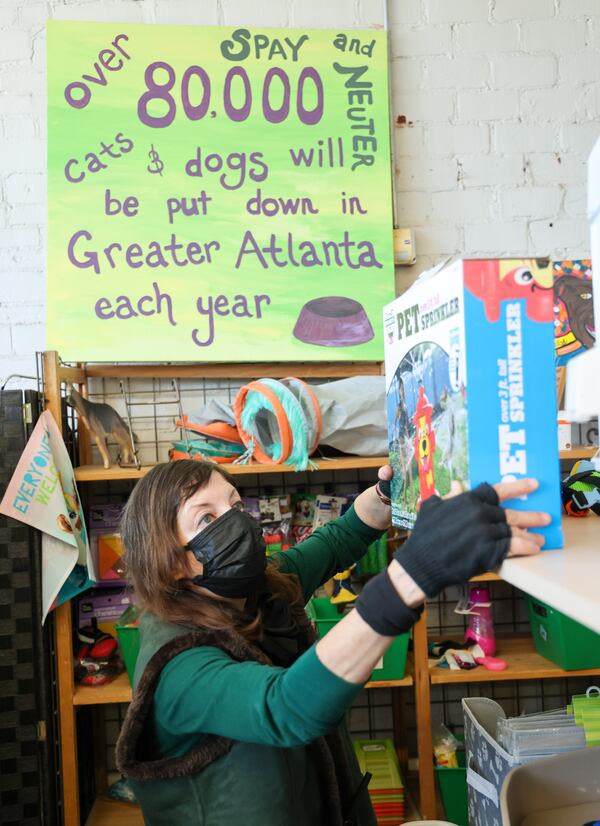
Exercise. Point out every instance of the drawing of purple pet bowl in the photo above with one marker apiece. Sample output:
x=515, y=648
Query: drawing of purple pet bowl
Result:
x=333, y=321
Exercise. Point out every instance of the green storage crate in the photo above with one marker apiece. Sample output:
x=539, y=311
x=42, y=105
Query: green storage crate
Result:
x=453, y=791
x=560, y=639
x=393, y=664
x=128, y=635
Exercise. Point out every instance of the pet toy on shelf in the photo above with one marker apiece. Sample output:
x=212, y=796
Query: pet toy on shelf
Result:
x=102, y=420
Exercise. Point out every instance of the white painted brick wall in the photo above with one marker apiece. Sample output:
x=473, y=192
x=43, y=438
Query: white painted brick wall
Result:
x=486, y=38
x=470, y=72
x=523, y=9
x=501, y=98
x=499, y=171
x=522, y=71
x=484, y=104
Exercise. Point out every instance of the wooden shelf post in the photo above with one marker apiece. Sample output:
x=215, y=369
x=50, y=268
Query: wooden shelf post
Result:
x=427, y=794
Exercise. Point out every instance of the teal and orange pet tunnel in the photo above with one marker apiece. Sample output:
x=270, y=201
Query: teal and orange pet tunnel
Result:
x=279, y=422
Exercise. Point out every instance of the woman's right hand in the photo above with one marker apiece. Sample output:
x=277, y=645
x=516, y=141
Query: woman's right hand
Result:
x=462, y=536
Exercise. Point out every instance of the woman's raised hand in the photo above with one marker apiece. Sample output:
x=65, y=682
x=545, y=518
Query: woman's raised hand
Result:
x=469, y=533
x=371, y=507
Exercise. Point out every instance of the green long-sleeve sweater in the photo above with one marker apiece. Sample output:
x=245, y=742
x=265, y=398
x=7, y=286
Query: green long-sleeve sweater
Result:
x=204, y=691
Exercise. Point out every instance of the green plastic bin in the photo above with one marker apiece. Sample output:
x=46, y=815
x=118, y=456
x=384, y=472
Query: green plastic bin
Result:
x=560, y=639
x=453, y=791
x=393, y=664
x=128, y=635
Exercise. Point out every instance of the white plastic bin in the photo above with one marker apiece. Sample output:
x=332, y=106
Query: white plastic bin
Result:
x=563, y=790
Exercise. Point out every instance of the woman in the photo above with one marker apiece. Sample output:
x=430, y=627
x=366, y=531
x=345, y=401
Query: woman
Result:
x=236, y=714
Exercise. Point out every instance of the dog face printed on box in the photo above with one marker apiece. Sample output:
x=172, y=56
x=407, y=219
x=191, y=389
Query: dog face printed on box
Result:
x=496, y=281
x=470, y=384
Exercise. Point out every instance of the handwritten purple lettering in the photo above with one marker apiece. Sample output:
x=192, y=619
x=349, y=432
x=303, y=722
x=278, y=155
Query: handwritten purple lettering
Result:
x=153, y=255
x=290, y=252
x=236, y=86
x=78, y=94
x=75, y=174
x=125, y=308
x=241, y=307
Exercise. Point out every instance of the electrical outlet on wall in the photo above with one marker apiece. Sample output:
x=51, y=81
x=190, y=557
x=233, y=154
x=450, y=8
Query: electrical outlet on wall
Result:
x=404, y=247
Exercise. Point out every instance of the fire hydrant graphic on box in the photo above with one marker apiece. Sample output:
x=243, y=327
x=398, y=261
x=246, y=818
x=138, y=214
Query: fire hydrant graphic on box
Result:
x=471, y=393
x=424, y=446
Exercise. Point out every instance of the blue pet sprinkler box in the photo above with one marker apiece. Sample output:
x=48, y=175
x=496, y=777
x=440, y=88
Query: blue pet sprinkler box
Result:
x=471, y=385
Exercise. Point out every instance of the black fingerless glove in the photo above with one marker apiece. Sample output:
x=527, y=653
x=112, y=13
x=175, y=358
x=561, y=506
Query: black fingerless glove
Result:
x=455, y=539
x=381, y=607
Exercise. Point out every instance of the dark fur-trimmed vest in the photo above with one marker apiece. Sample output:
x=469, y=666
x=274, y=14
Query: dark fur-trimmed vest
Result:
x=338, y=782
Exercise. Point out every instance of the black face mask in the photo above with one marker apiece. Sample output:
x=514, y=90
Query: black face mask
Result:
x=233, y=553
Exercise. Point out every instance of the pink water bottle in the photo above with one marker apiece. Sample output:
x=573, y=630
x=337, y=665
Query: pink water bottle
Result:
x=481, y=626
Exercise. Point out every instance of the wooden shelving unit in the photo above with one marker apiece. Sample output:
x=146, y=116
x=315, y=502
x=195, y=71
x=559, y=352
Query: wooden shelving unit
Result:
x=524, y=662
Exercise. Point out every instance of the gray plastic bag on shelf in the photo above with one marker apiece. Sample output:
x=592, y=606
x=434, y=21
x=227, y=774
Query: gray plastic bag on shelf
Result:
x=216, y=410
x=354, y=415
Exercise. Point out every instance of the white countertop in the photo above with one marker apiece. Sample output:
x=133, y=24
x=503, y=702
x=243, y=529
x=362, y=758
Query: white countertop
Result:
x=567, y=579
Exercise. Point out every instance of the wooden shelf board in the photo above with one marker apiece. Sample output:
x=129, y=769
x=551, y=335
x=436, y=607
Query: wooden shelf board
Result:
x=244, y=370
x=111, y=813
x=94, y=473
x=107, y=812
x=524, y=663
x=117, y=691
x=407, y=680
x=579, y=452
x=490, y=576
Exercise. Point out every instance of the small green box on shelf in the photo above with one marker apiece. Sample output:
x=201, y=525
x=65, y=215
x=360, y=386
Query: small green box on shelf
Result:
x=128, y=635
x=393, y=664
x=560, y=639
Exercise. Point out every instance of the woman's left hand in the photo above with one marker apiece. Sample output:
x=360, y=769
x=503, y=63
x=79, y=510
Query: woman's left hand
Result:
x=370, y=507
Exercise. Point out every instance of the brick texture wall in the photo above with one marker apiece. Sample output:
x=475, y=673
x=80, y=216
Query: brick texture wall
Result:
x=495, y=105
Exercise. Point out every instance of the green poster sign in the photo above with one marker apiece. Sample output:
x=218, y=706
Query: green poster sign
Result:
x=217, y=194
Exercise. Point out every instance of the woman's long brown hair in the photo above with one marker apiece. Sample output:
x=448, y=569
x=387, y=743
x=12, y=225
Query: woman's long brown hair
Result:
x=155, y=558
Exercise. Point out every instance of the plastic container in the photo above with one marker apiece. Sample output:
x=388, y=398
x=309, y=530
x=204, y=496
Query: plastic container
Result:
x=481, y=625
x=128, y=635
x=555, y=791
x=453, y=791
x=560, y=639
x=392, y=666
